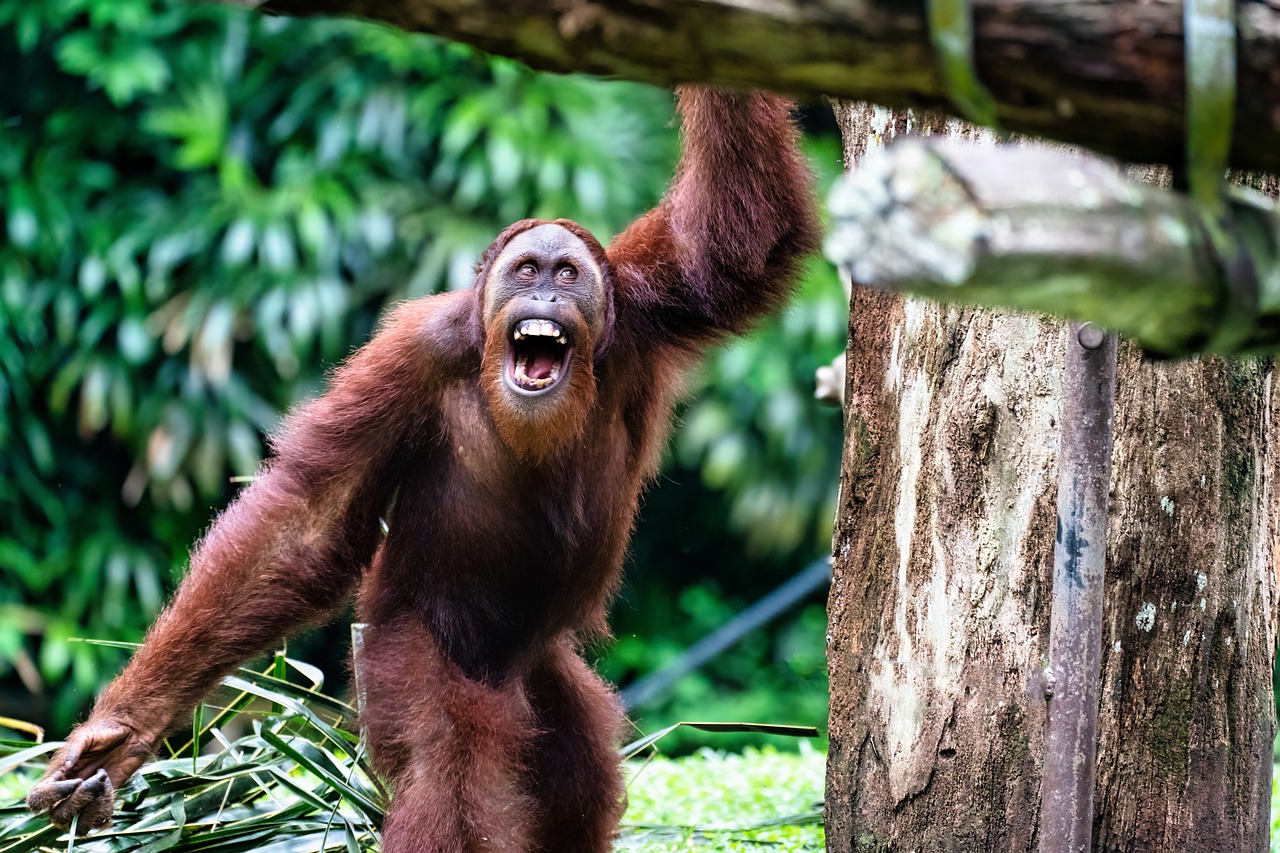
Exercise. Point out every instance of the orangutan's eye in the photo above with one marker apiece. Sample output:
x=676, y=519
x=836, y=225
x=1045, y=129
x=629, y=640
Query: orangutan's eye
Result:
x=527, y=271
x=566, y=273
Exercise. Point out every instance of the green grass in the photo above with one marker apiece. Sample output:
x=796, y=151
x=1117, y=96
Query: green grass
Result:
x=1275, y=808
x=759, y=800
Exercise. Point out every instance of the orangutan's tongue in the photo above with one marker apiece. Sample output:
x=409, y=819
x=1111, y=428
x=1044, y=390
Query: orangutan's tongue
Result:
x=540, y=365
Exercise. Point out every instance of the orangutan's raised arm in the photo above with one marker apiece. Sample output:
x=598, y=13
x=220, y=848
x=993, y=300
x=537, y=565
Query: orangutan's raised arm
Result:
x=724, y=247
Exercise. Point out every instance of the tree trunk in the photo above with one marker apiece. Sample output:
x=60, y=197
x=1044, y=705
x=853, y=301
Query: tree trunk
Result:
x=940, y=603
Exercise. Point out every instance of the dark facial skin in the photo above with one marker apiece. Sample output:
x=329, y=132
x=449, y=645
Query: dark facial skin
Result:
x=545, y=298
x=544, y=308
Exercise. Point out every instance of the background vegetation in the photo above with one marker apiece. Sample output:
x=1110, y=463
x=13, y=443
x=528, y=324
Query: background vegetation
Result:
x=202, y=209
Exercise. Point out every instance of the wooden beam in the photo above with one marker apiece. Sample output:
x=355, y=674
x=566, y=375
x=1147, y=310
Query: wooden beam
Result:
x=1105, y=74
x=1043, y=229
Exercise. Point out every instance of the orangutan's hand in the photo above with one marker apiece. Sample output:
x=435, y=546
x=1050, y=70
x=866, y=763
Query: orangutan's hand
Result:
x=83, y=776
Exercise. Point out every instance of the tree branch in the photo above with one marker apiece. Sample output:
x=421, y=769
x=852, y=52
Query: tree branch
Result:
x=1105, y=74
x=1041, y=229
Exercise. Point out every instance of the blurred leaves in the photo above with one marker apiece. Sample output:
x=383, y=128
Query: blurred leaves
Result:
x=752, y=434
x=204, y=208
x=758, y=800
x=752, y=428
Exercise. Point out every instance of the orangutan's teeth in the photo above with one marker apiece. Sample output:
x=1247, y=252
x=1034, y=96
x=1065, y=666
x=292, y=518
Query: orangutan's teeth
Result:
x=540, y=328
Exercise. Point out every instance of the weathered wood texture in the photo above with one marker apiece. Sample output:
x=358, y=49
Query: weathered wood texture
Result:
x=1106, y=74
x=939, y=609
x=939, y=606
x=1059, y=231
x=1187, y=718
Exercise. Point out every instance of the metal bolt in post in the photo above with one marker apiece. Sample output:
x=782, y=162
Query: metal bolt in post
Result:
x=1079, y=559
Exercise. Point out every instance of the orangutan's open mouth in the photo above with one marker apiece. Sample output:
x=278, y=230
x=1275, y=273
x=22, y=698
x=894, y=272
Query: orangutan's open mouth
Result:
x=539, y=355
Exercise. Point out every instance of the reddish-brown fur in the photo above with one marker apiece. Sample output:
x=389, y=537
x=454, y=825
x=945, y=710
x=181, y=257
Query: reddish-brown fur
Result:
x=507, y=528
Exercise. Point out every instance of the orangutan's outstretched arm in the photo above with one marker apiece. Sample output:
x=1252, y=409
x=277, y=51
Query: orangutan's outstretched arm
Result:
x=285, y=553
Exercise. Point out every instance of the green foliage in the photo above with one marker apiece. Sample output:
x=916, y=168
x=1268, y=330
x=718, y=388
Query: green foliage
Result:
x=205, y=208
x=753, y=429
x=778, y=675
x=297, y=778
x=1275, y=810
x=758, y=800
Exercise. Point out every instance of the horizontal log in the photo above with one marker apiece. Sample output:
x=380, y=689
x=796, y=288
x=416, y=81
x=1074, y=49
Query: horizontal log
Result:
x=1043, y=229
x=1104, y=74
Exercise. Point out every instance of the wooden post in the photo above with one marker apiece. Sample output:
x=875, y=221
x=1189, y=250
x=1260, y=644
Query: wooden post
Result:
x=357, y=658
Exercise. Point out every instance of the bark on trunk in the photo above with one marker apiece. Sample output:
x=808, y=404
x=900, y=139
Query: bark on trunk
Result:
x=1187, y=718
x=940, y=602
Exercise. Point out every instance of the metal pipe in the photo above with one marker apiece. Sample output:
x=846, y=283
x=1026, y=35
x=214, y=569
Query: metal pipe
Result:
x=1079, y=561
x=754, y=617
